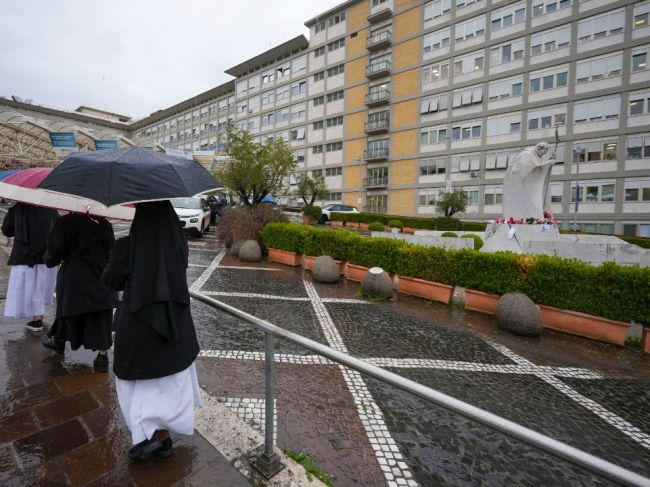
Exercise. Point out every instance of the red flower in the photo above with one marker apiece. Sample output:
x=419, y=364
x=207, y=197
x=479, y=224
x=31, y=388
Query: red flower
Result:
x=547, y=215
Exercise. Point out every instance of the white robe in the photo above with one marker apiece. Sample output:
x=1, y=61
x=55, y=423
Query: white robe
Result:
x=30, y=290
x=155, y=404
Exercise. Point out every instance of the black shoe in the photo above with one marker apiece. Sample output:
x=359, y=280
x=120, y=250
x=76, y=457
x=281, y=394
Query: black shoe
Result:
x=166, y=450
x=35, y=326
x=145, y=448
x=52, y=344
x=100, y=364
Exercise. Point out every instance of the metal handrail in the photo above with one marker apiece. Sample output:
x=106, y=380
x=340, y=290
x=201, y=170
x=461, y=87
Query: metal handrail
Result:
x=557, y=448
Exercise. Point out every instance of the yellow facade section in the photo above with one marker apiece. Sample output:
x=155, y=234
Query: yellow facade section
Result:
x=407, y=53
x=352, y=149
x=355, y=97
x=403, y=143
x=352, y=199
x=354, y=124
x=406, y=3
x=403, y=172
x=404, y=114
x=405, y=84
x=407, y=23
x=402, y=202
x=352, y=178
x=355, y=70
x=357, y=15
x=357, y=45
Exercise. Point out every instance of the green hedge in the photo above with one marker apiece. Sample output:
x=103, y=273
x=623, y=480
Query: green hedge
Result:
x=478, y=241
x=376, y=227
x=613, y=291
x=640, y=241
x=410, y=221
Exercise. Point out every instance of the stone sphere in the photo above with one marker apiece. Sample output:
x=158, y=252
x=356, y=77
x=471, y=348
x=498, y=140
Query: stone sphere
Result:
x=236, y=246
x=250, y=251
x=516, y=313
x=377, y=284
x=326, y=270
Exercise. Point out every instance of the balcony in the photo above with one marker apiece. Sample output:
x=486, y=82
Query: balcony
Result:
x=380, y=15
x=380, y=182
x=377, y=70
x=380, y=154
x=375, y=209
x=377, y=126
x=379, y=97
x=379, y=41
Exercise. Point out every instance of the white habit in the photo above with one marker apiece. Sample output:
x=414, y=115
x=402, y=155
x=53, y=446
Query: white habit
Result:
x=30, y=290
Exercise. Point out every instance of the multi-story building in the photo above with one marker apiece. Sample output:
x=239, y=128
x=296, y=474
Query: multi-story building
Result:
x=394, y=100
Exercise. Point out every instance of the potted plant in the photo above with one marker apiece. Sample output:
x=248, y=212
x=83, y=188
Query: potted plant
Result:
x=376, y=227
x=395, y=226
x=311, y=214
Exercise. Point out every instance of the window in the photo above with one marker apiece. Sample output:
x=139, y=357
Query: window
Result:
x=254, y=82
x=337, y=44
x=638, y=146
x=337, y=95
x=594, y=69
x=268, y=76
x=335, y=70
x=541, y=7
x=595, y=110
x=597, y=150
x=466, y=162
x=436, y=8
x=334, y=122
x=376, y=3
x=319, y=100
x=600, y=26
x=468, y=96
x=464, y=3
x=510, y=15
x=550, y=40
x=299, y=64
x=316, y=173
x=333, y=197
x=282, y=115
x=268, y=119
x=334, y=146
x=433, y=135
x=319, y=51
x=299, y=88
x=549, y=79
x=320, y=26
x=510, y=51
x=283, y=70
x=436, y=40
x=639, y=103
x=428, y=197
x=317, y=149
x=472, y=195
x=268, y=98
x=336, y=19
x=640, y=59
x=547, y=118
x=297, y=134
x=506, y=88
x=242, y=107
x=470, y=129
x=318, y=125
x=242, y=86
x=435, y=72
x=298, y=111
x=468, y=64
x=320, y=76
x=433, y=104
x=503, y=125
x=637, y=189
x=376, y=119
x=334, y=171
x=282, y=94
x=557, y=192
x=594, y=192
x=470, y=28
x=430, y=167
x=641, y=14
x=500, y=159
x=493, y=195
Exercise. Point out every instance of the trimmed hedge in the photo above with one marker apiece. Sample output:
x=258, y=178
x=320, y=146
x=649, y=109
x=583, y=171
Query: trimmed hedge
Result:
x=395, y=224
x=449, y=234
x=478, y=241
x=376, y=227
x=410, y=221
x=640, y=241
x=612, y=291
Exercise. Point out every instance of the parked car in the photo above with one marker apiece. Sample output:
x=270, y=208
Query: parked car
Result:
x=194, y=214
x=327, y=209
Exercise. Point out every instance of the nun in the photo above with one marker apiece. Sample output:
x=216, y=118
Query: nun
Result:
x=84, y=304
x=155, y=340
x=31, y=282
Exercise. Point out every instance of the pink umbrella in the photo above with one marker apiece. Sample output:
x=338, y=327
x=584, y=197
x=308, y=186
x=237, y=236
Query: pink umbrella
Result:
x=22, y=187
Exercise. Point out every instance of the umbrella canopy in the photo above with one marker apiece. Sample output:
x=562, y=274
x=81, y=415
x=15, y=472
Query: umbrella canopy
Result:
x=268, y=199
x=22, y=186
x=128, y=175
x=7, y=173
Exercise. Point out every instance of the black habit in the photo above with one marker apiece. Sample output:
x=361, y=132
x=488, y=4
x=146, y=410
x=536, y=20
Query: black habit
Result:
x=154, y=331
x=29, y=225
x=84, y=304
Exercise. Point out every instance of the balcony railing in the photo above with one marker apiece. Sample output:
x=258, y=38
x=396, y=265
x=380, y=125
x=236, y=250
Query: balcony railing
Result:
x=377, y=69
x=378, y=97
x=379, y=15
x=379, y=40
x=375, y=209
x=377, y=126
x=380, y=154
x=375, y=182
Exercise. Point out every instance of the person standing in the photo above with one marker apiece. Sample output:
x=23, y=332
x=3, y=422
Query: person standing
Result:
x=31, y=282
x=155, y=340
x=84, y=310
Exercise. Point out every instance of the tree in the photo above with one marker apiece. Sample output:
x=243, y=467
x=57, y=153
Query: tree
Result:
x=451, y=203
x=311, y=189
x=253, y=169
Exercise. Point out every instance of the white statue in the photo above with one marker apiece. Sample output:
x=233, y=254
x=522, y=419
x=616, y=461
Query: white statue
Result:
x=525, y=186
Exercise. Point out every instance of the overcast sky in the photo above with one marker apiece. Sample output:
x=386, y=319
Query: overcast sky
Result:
x=136, y=56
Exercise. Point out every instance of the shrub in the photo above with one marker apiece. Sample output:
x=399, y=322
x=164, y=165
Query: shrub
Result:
x=376, y=227
x=495, y=273
x=395, y=224
x=473, y=226
x=444, y=223
x=285, y=236
x=640, y=241
x=429, y=263
x=478, y=241
x=247, y=222
x=335, y=243
x=449, y=234
x=312, y=211
x=371, y=252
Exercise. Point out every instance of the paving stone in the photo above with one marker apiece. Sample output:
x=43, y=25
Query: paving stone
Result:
x=95, y=459
x=16, y=426
x=65, y=408
x=49, y=443
x=84, y=379
x=283, y=283
x=25, y=397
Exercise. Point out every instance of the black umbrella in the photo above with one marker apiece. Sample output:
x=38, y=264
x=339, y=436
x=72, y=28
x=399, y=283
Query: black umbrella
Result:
x=129, y=175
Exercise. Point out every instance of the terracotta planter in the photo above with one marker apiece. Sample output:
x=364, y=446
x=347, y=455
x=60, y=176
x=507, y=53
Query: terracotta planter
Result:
x=585, y=325
x=645, y=341
x=355, y=272
x=352, y=224
x=364, y=226
x=309, y=261
x=408, y=230
x=480, y=301
x=425, y=289
x=308, y=220
x=336, y=223
x=284, y=257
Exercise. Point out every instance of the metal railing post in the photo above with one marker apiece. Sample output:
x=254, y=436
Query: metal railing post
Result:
x=268, y=461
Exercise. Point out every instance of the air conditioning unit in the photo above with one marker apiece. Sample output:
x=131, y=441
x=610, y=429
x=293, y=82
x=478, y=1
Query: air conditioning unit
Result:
x=473, y=174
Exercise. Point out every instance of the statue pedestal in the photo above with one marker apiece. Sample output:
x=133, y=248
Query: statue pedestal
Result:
x=498, y=236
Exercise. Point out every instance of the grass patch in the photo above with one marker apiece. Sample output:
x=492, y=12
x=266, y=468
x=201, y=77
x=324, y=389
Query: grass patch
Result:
x=310, y=467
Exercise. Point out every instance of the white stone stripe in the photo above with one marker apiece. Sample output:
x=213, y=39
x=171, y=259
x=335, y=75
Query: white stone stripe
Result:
x=248, y=268
x=254, y=295
x=253, y=411
x=199, y=283
x=288, y=358
x=197, y=265
x=390, y=459
x=610, y=418
x=344, y=301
